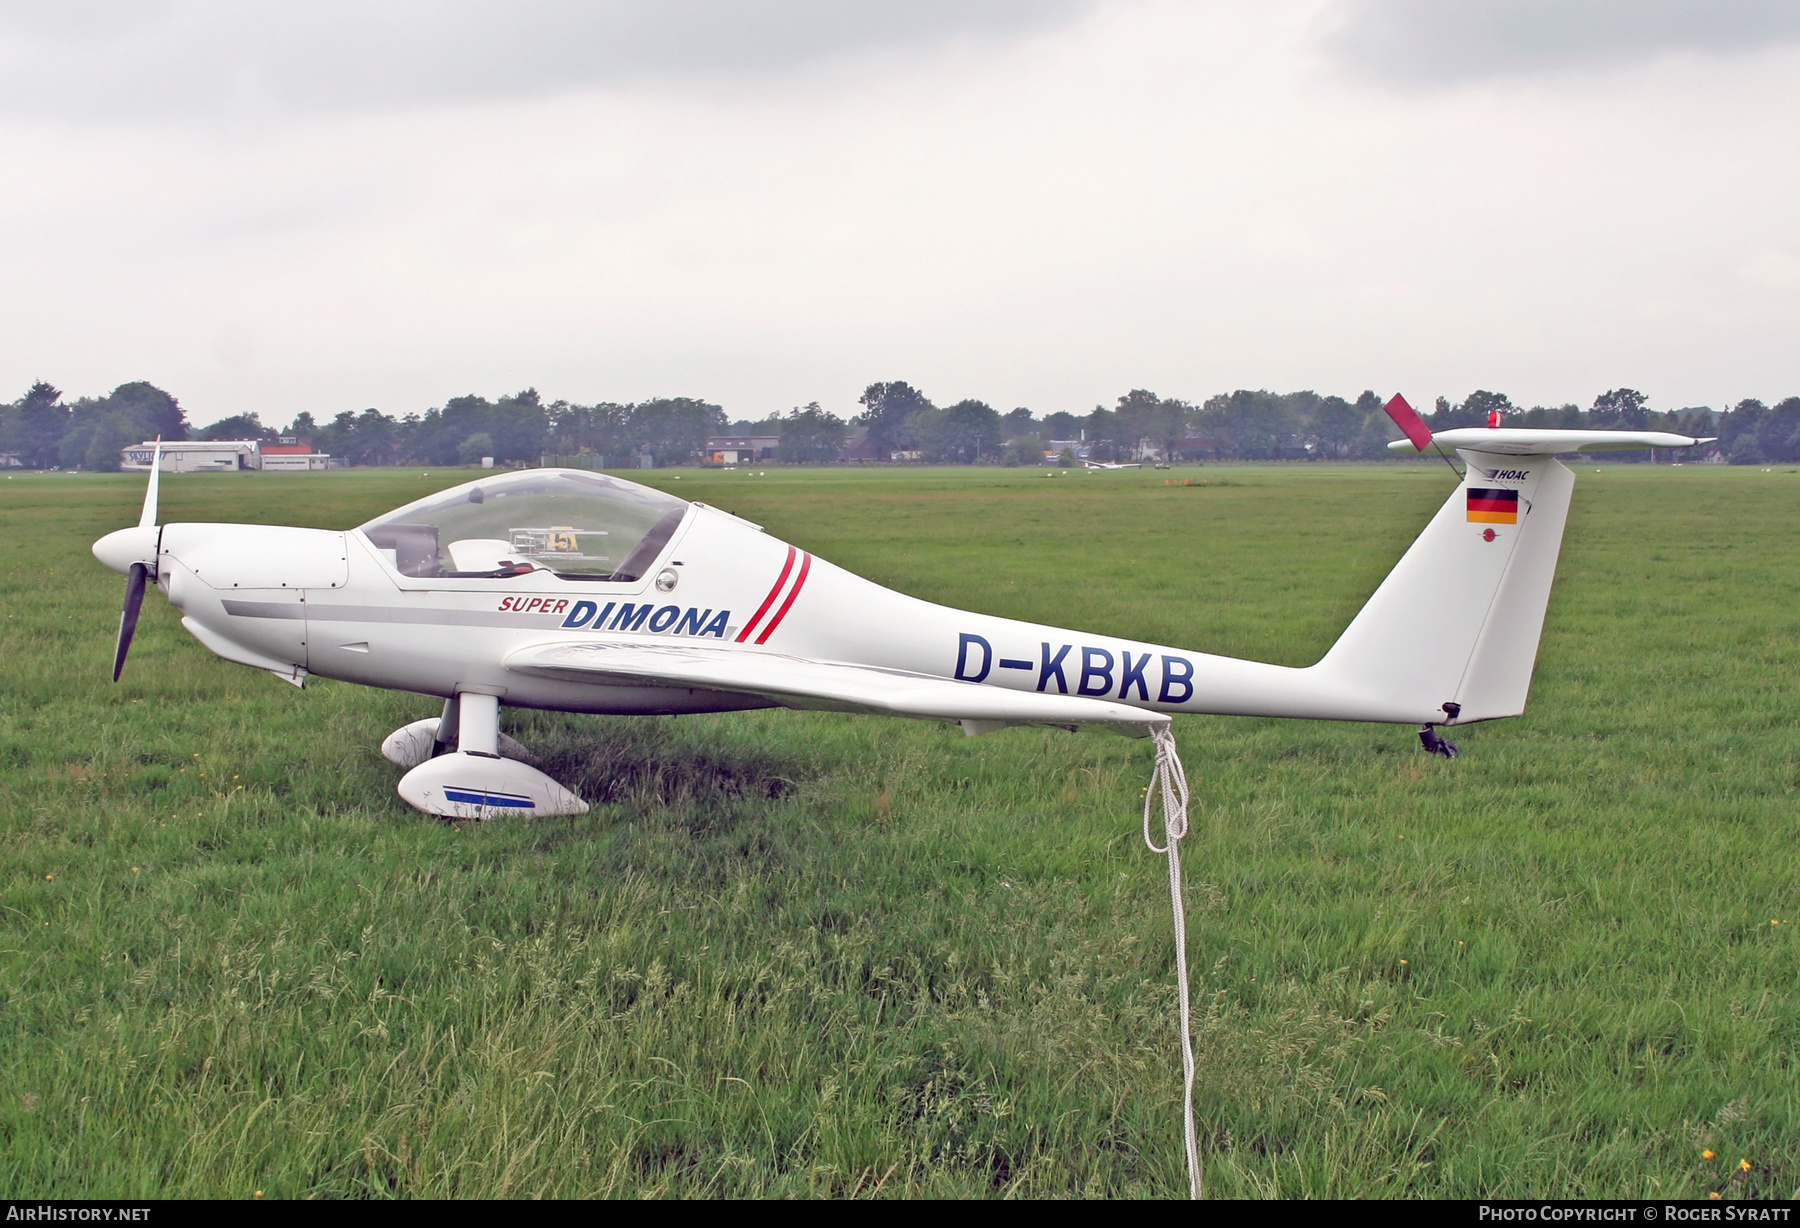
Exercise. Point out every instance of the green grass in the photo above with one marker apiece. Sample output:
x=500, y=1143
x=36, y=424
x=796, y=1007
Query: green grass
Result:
x=806, y=954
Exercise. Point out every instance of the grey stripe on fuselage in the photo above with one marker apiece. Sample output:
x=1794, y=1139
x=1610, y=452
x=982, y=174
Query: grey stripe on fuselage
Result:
x=370, y=614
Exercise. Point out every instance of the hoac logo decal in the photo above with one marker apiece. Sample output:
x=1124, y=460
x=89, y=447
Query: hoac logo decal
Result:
x=1504, y=475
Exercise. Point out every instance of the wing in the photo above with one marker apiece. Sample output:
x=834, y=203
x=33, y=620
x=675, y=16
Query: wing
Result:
x=796, y=682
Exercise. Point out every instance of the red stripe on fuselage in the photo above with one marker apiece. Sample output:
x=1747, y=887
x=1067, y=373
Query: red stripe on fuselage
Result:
x=800, y=583
x=768, y=601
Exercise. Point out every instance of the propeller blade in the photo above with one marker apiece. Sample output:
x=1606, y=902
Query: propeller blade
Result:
x=128, y=618
x=148, y=518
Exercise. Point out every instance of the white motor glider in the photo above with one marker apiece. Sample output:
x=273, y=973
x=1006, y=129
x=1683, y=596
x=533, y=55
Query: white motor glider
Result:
x=578, y=592
x=1106, y=465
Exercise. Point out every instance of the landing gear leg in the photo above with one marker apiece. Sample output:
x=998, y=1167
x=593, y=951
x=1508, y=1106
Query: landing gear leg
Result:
x=447, y=727
x=413, y=744
x=1429, y=739
x=477, y=725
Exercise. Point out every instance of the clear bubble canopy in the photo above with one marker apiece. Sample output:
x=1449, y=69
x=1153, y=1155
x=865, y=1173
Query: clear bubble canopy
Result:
x=582, y=526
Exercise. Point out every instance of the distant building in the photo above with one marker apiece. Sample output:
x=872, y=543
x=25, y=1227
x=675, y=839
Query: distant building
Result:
x=298, y=462
x=11, y=460
x=289, y=455
x=195, y=456
x=742, y=449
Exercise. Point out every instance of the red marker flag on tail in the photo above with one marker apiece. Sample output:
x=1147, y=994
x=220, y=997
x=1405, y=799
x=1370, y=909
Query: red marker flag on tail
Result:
x=1409, y=421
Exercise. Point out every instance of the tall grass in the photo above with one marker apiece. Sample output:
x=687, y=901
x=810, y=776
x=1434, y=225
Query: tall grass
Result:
x=808, y=954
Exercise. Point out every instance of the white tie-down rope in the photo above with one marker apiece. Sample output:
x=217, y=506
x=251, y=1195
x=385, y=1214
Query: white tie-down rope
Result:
x=1170, y=780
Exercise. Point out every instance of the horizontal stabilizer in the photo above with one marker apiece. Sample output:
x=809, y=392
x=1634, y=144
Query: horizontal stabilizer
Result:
x=796, y=682
x=1524, y=441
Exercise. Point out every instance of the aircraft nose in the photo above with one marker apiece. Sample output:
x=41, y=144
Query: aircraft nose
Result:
x=119, y=550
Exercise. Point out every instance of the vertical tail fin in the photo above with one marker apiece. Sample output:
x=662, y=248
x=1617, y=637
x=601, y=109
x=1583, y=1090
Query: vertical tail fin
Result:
x=1453, y=631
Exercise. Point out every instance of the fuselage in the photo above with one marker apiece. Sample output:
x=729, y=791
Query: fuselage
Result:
x=333, y=604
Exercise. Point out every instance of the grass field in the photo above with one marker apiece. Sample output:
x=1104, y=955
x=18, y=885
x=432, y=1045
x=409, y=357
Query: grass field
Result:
x=806, y=954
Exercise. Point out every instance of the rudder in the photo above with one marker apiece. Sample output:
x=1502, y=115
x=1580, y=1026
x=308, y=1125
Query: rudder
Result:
x=1498, y=677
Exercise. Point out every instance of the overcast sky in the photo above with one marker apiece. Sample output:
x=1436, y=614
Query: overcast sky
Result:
x=321, y=206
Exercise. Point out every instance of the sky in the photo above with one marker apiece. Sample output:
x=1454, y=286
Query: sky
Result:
x=273, y=206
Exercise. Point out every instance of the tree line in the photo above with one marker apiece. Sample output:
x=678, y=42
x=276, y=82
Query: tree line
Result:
x=896, y=420
x=519, y=428
x=47, y=433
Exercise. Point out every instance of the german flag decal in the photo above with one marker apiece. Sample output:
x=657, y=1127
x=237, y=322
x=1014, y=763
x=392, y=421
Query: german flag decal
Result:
x=1493, y=506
